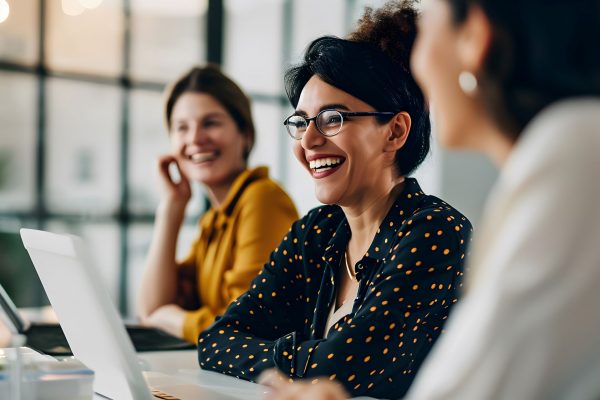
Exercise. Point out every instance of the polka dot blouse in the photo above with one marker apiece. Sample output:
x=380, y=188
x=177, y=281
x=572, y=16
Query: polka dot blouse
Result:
x=408, y=281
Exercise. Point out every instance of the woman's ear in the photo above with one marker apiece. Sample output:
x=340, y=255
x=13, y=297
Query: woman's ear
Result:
x=399, y=128
x=474, y=40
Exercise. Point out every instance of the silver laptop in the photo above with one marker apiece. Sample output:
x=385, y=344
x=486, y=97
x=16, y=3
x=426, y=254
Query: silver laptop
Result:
x=91, y=323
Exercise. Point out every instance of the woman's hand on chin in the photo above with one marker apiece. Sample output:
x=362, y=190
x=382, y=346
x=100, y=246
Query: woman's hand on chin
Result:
x=176, y=190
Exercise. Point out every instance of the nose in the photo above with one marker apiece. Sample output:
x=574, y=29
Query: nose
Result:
x=197, y=134
x=312, y=137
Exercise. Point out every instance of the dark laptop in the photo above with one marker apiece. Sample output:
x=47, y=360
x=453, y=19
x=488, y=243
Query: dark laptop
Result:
x=50, y=339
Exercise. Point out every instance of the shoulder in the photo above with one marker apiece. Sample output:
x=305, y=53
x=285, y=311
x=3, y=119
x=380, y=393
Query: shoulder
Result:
x=265, y=192
x=567, y=130
x=438, y=209
x=435, y=217
x=309, y=234
x=557, y=152
x=320, y=219
x=578, y=116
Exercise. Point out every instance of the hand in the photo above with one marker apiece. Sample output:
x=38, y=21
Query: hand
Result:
x=176, y=192
x=5, y=335
x=282, y=389
x=169, y=318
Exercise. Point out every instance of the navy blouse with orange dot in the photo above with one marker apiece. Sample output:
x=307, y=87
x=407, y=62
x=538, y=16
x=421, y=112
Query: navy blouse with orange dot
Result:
x=408, y=281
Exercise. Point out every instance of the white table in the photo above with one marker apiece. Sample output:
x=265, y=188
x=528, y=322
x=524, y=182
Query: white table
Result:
x=180, y=366
x=183, y=365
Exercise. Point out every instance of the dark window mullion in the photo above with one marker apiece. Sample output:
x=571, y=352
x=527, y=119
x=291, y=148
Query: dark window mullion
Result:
x=215, y=26
x=41, y=70
x=124, y=217
x=286, y=58
x=40, y=211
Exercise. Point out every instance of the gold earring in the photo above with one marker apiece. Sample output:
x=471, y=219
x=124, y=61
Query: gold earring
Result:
x=467, y=82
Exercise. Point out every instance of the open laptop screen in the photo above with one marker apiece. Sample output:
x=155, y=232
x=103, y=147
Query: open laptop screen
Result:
x=17, y=273
x=49, y=338
x=10, y=313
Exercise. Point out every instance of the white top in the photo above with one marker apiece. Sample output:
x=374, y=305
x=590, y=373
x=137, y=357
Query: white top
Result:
x=528, y=327
x=345, y=309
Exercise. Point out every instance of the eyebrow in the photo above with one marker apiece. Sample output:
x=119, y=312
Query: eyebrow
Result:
x=334, y=106
x=209, y=115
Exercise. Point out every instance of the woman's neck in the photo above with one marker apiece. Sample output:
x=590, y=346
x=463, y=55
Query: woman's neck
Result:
x=493, y=142
x=498, y=148
x=364, y=219
x=217, y=193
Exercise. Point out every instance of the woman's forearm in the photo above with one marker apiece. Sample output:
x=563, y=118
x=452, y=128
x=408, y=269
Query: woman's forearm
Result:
x=159, y=282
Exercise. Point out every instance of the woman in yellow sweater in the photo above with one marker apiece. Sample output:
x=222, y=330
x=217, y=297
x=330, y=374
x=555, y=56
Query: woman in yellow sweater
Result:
x=211, y=134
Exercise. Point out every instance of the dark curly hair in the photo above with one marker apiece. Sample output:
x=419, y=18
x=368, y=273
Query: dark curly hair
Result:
x=542, y=51
x=372, y=64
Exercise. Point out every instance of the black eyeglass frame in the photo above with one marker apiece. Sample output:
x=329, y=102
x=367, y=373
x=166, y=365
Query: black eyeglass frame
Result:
x=343, y=114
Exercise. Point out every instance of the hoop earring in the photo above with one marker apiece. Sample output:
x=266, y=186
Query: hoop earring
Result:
x=467, y=82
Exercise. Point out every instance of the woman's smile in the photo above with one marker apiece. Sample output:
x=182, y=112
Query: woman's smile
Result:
x=203, y=156
x=323, y=165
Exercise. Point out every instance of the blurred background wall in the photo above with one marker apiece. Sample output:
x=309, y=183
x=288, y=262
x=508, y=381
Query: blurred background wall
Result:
x=81, y=118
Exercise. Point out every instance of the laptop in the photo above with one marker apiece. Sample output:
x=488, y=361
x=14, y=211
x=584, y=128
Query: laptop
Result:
x=50, y=339
x=90, y=321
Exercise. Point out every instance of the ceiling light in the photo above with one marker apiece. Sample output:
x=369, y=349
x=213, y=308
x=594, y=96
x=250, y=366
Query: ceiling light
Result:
x=72, y=7
x=4, y=10
x=90, y=3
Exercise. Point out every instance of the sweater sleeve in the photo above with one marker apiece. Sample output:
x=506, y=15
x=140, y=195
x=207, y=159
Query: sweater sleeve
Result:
x=241, y=342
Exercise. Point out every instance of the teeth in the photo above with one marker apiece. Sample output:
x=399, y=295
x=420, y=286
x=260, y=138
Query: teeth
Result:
x=324, y=163
x=202, y=157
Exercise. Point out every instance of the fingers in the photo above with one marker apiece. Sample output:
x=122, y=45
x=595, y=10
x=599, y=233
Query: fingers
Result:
x=163, y=166
x=277, y=384
x=282, y=389
x=5, y=335
x=176, y=188
x=331, y=390
x=295, y=391
x=273, y=378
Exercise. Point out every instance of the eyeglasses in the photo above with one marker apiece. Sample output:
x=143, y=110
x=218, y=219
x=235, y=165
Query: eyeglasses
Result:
x=329, y=122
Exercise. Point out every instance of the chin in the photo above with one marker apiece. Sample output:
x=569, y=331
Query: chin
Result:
x=213, y=180
x=326, y=196
x=203, y=177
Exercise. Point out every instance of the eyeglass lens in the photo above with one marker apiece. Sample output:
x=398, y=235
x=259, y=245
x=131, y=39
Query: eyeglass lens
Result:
x=329, y=123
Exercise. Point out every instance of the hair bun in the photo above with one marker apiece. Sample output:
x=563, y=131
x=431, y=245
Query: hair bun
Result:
x=392, y=28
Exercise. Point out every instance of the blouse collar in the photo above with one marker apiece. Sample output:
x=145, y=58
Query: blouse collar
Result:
x=387, y=235
x=217, y=217
x=239, y=184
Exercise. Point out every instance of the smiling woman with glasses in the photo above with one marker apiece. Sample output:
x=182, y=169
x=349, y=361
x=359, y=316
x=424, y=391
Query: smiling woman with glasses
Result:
x=359, y=289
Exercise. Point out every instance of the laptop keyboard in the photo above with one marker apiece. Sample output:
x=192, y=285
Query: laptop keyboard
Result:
x=50, y=339
x=150, y=339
